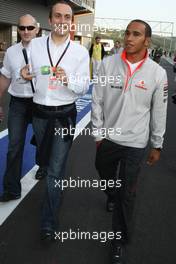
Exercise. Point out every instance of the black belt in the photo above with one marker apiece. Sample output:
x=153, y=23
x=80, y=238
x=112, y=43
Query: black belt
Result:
x=22, y=99
x=52, y=108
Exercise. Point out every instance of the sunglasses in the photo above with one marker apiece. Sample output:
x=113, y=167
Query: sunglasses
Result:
x=29, y=28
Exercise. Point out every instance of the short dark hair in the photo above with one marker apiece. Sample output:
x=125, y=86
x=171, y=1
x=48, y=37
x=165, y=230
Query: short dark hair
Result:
x=148, y=30
x=64, y=2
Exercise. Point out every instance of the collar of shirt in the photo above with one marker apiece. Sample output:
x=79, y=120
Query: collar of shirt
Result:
x=57, y=50
x=26, y=47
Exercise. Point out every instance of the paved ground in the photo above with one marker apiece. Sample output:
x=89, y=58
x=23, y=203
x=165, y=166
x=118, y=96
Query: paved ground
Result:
x=155, y=212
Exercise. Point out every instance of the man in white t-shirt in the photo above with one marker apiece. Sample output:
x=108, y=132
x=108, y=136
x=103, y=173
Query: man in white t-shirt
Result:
x=20, y=108
x=61, y=75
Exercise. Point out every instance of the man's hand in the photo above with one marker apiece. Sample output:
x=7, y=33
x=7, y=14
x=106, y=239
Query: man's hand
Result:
x=25, y=74
x=1, y=114
x=61, y=76
x=153, y=156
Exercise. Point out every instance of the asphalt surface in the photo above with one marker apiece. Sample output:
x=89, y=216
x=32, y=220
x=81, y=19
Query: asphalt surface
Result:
x=84, y=209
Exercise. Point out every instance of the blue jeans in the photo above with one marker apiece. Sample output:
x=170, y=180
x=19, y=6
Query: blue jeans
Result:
x=55, y=172
x=19, y=117
x=109, y=156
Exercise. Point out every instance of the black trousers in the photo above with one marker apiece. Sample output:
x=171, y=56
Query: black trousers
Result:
x=108, y=157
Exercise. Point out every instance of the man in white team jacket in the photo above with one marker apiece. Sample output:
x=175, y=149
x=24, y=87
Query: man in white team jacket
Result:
x=128, y=111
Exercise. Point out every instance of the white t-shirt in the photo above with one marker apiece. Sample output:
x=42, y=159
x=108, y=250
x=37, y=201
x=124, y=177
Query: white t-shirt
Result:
x=133, y=66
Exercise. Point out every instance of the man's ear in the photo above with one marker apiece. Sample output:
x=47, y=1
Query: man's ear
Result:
x=49, y=21
x=147, y=42
x=37, y=28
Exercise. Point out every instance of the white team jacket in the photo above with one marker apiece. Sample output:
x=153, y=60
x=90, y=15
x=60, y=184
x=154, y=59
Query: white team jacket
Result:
x=128, y=108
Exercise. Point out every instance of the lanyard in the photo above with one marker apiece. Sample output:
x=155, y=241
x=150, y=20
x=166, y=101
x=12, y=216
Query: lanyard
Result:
x=49, y=54
x=26, y=60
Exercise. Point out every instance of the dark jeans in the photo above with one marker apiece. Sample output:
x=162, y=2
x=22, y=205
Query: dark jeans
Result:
x=55, y=169
x=108, y=157
x=19, y=117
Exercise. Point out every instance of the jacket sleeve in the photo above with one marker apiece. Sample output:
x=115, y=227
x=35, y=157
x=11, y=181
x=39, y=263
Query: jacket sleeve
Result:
x=97, y=116
x=91, y=51
x=159, y=112
x=102, y=52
